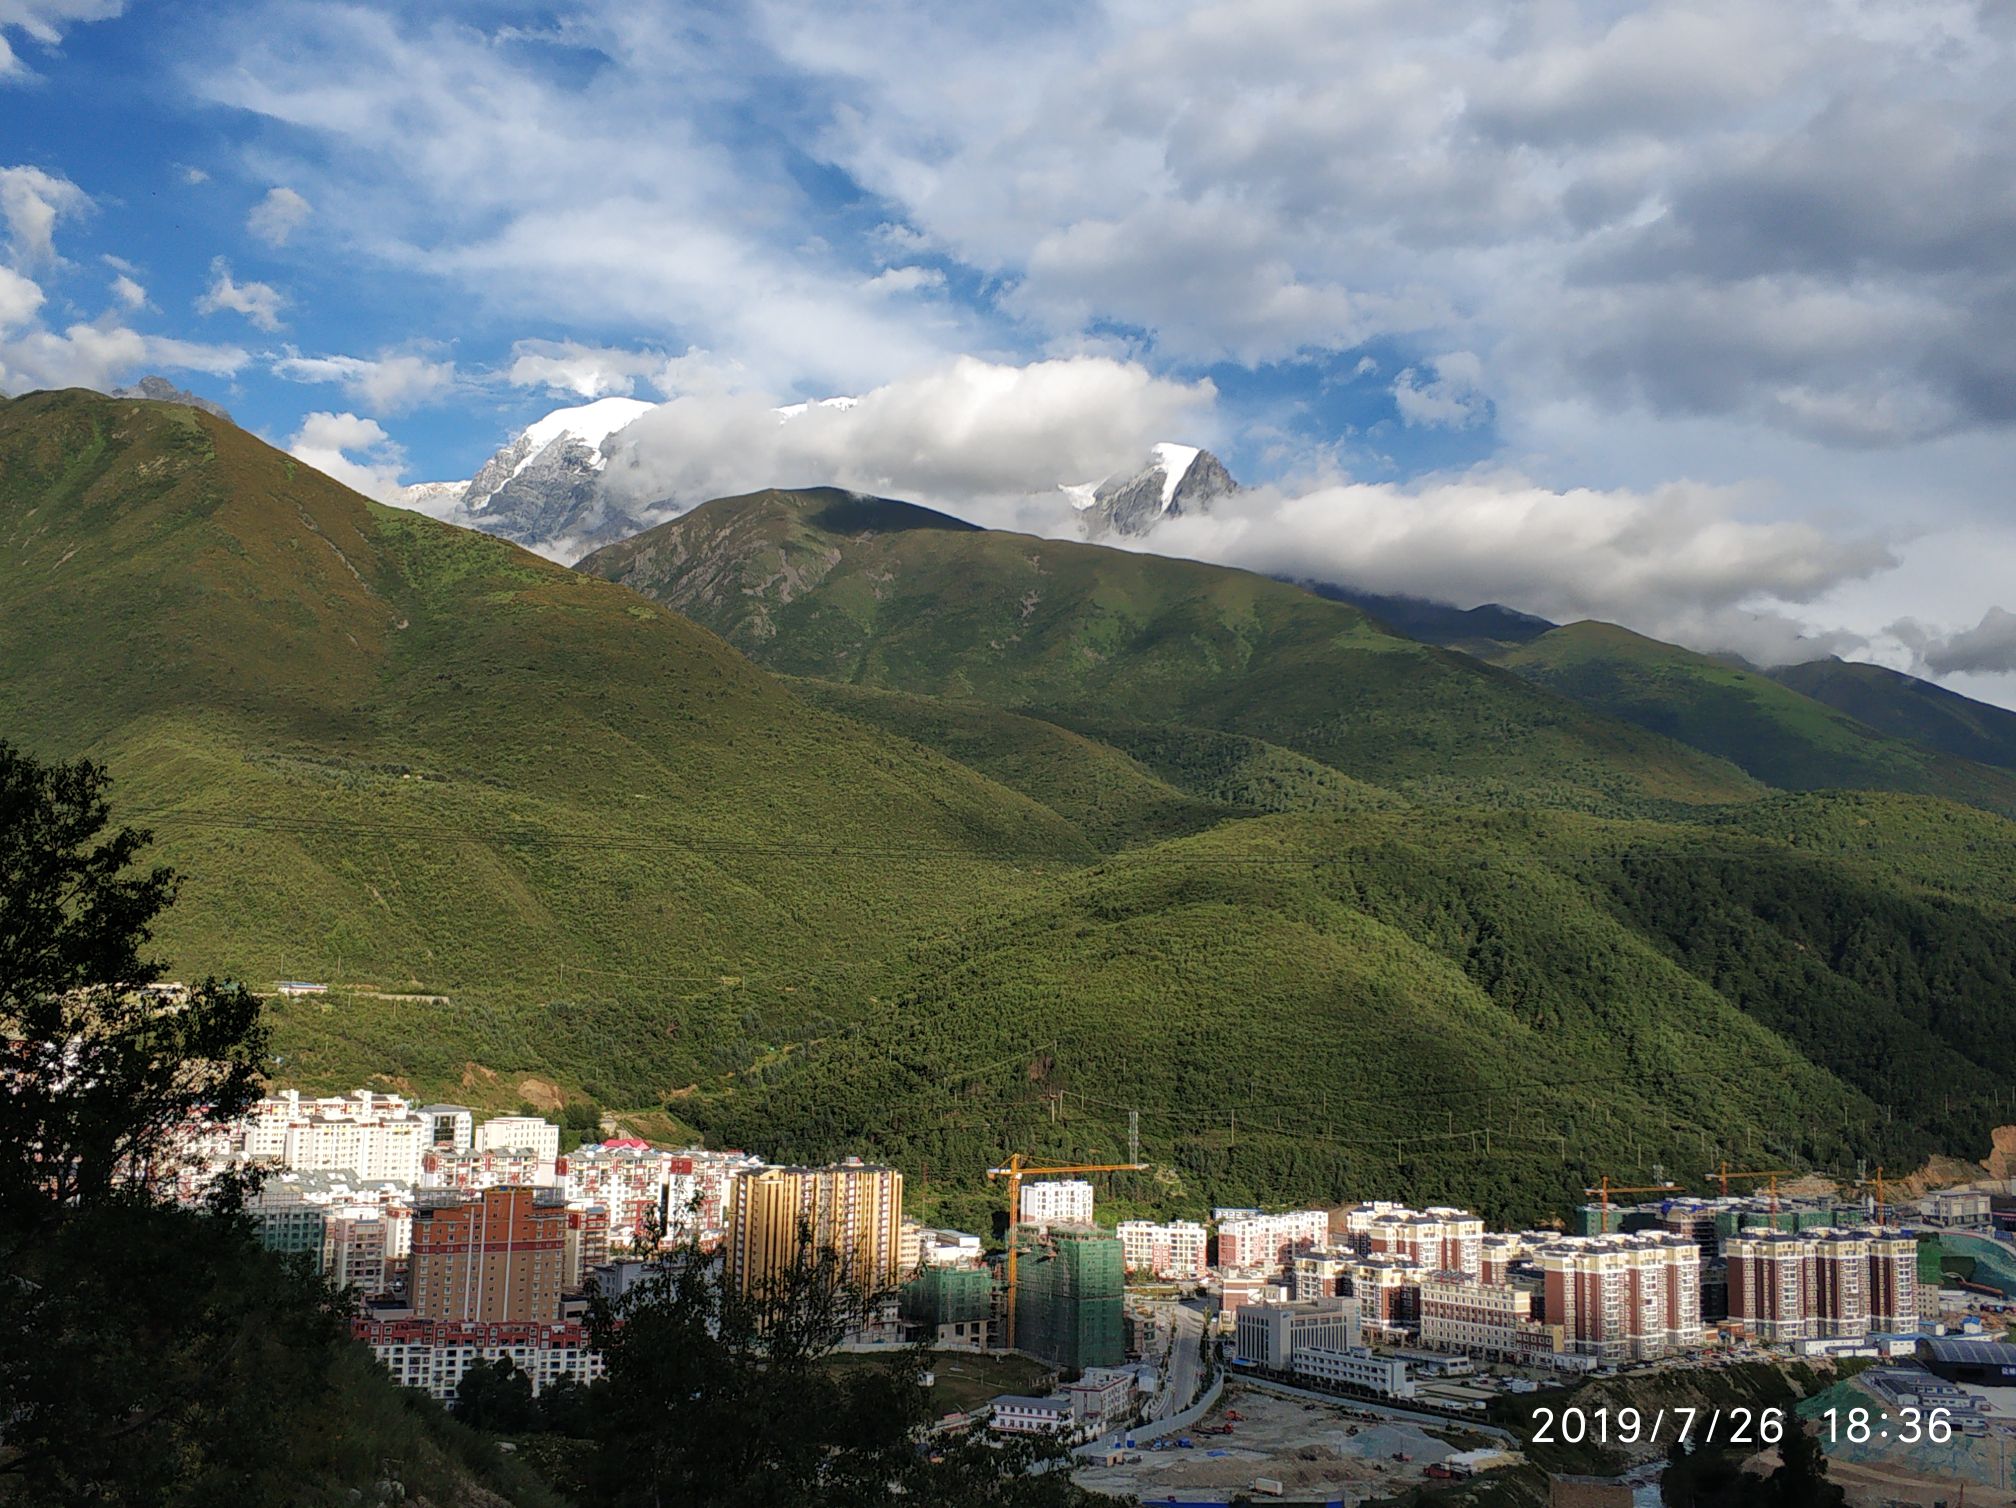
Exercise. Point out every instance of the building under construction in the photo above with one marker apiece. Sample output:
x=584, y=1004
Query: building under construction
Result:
x=950, y=1305
x=1068, y=1304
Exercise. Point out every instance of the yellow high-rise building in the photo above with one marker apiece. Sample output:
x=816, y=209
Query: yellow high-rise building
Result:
x=854, y=1208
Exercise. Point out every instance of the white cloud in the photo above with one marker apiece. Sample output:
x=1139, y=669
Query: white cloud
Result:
x=910, y=279
x=128, y=292
x=1680, y=561
x=1988, y=648
x=19, y=299
x=194, y=175
x=43, y=21
x=570, y=366
x=31, y=202
x=388, y=383
x=355, y=451
x=968, y=435
x=1453, y=396
x=258, y=302
x=277, y=216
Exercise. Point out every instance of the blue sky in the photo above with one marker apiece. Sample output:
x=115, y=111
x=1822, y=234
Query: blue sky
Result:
x=1690, y=314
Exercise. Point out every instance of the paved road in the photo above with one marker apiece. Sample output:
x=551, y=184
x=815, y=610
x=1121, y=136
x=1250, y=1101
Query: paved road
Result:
x=1186, y=1361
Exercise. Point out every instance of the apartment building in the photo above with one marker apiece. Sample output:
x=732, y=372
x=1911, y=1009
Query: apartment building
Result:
x=366, y=1134
x=1462, y=1313
x=1787, y=1286
x=432, y=1356
x=523, y=1133
x=643, y=1187
x=851, y=1208
x=496, y=1258
x=1272, y=1242
x=1323, y=1274
x=1177, y=1250
x=1440, y=1239
x=355, y=1253
x=1622, y=1297
x=1056, y=1201
x=1388, y=1291
x=473, y=1169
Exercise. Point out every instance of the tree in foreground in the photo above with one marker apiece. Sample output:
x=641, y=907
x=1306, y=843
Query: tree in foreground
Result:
x=148, y=1354
x=717, y=1399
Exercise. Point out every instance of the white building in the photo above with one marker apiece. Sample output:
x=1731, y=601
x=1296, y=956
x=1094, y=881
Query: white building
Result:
x=1057, y=1201
x=1016, y=1415
x=1355, y=1368
x=520, y=1132
x=1177, y=1250
x=370, y=1135
x=452, y=1127
x=1272, y=1242
x=1268, y=1335
x=432, y=1355
x=1458, y=1313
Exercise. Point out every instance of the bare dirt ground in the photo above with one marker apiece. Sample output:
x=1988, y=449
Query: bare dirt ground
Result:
x=1318, y=1451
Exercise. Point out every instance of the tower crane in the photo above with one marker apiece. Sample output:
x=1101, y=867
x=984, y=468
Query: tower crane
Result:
x=1018, y=1168
x=1774, y=1174
x=1605, y=1188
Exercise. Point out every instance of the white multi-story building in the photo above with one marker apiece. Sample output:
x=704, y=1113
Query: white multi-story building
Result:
x=354, y=1242
x=1323, y=1274
x=432, y=1355
x=1354, y=1368
x=1272, y=1242
x=1177, y=1250
x=370, y=1135
x=642, y=1186
x=1269, y=1335
x=1057, y=1201
x=522, y=1133
x=473, y=1171
x=450, y=1127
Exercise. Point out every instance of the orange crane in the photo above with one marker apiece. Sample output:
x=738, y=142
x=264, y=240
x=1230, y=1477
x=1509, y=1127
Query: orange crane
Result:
x=1774, y=1174
x=1877, y=1184
x=1019, y=1168
x=1606, y=1188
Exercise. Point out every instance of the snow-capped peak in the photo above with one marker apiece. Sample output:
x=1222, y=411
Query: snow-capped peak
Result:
x=589, y=423
x=1175, y=461
x=793, y=410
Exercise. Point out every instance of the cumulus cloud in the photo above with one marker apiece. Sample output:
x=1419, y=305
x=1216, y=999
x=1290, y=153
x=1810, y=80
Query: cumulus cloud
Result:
x=388, y=383
x=911, y=279
x=1988, y=648
x=128, y=292
x=258, y=302
x=354, y=450
x=277, y=216
x=31, y=202
x=587, y=371
x=970, y=435
x=19, y=299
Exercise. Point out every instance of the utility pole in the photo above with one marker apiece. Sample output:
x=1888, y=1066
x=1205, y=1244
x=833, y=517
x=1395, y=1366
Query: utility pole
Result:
x=1133, y=1135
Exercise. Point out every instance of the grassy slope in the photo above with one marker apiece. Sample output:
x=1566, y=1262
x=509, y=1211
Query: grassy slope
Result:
x=433, y=761
x=823, y=584
x=1905, y=707
x=1779, y=735
x=1367, y=991
x=1119, y=784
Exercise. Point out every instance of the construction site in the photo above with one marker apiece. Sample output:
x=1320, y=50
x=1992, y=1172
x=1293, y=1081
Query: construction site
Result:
x=1315, y=1452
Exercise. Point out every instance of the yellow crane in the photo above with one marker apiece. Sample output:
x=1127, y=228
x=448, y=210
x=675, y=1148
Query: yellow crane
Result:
x=1016, y=1170
x=1877, y=1184
x=1606, y=1188
x=1774, y=1174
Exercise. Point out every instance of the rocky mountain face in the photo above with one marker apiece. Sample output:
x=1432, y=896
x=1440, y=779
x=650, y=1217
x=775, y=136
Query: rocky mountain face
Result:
x=543, y=489
x=159, y=389
x=1178, y=479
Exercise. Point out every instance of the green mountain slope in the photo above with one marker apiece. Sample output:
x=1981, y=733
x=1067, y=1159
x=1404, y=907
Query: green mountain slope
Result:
x=391, y=751
x=1493, y=1009
x=827, y=584
x=1776, y=733
x=1902, y=706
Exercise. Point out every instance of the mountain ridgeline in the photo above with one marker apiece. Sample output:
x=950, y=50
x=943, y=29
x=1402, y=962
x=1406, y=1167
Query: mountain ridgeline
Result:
x=830, y=824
